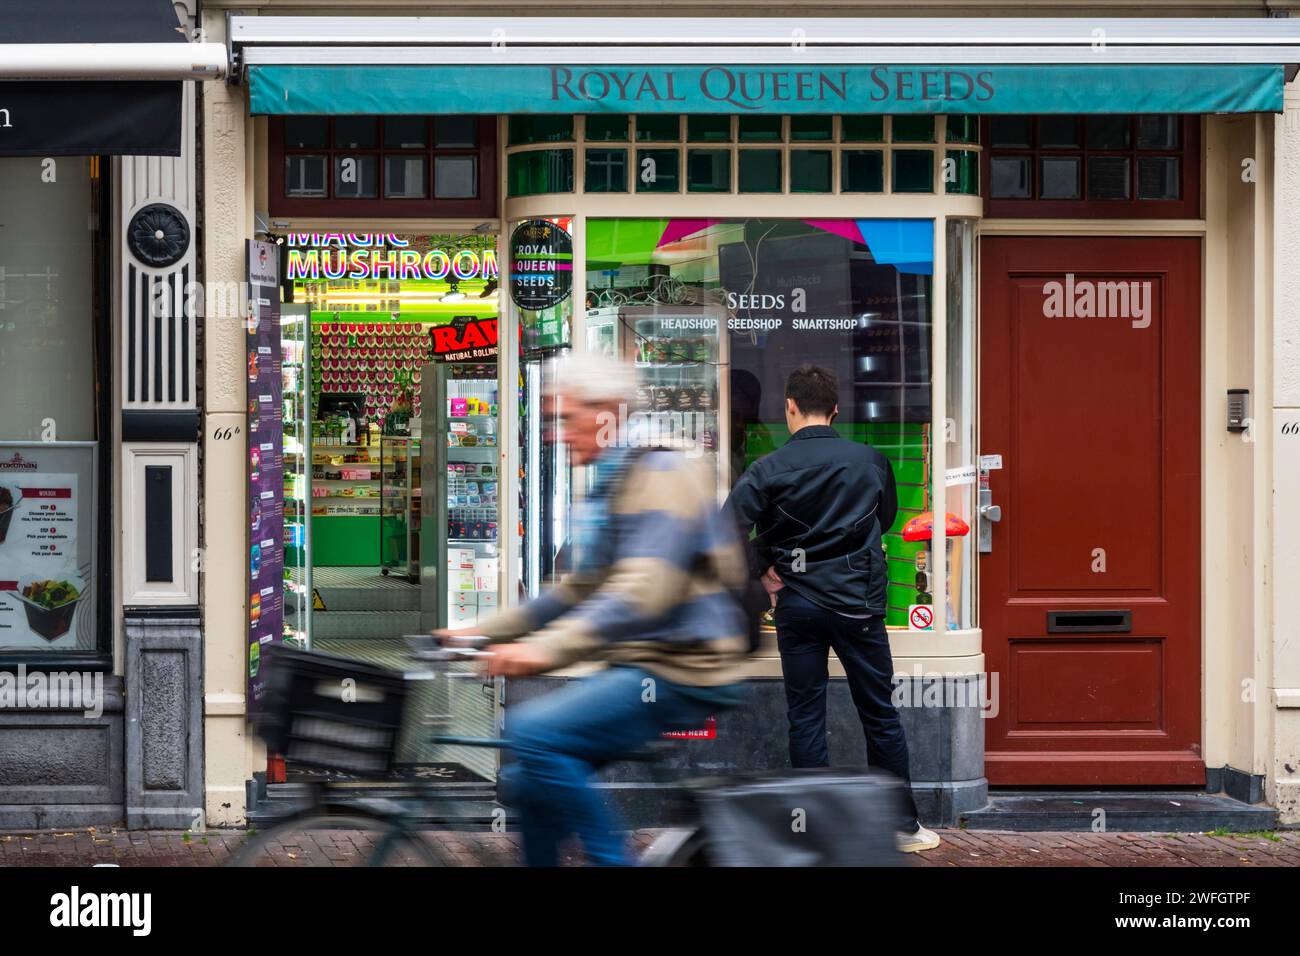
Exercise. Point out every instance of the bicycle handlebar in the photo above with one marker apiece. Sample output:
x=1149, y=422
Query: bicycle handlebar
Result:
x=427, y=648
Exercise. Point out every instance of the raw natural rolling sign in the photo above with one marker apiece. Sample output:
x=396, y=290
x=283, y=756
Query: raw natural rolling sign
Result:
x=466, y=339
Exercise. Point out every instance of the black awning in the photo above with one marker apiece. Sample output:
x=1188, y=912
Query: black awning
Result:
x=89, y=21
x=87, y=117
x=76, y=117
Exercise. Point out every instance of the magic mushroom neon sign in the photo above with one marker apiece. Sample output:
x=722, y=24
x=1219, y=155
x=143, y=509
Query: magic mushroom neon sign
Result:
x=321, y=257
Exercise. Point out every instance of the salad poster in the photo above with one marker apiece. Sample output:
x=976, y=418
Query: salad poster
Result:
x=46, y=546
x=265, y=465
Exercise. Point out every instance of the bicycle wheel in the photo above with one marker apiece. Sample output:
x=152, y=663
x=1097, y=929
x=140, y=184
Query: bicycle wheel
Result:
x=353, y=839
x=678, y=847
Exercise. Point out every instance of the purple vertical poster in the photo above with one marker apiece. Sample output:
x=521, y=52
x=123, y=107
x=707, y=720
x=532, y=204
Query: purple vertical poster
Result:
x=265, y=465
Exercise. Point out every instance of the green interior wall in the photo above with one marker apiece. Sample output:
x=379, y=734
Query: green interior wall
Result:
x=905, y=447
x=345, y=540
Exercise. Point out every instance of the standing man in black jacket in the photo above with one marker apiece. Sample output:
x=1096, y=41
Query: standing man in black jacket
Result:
x=819, y=506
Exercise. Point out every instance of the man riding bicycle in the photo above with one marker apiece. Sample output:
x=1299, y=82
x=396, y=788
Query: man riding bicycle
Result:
x=653, y=570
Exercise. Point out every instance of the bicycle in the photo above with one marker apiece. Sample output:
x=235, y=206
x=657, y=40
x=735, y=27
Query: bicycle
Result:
x=392, y=826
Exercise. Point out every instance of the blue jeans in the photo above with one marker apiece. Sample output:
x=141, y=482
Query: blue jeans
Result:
x=805, y=632
x=559, y=740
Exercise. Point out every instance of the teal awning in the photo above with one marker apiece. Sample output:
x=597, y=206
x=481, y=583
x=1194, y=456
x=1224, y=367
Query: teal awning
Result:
x=279, y=89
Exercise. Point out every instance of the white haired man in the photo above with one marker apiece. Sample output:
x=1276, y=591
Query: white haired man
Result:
x=654, y=567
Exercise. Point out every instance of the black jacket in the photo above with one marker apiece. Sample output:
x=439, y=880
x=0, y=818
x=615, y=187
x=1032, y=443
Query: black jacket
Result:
x=833, y=499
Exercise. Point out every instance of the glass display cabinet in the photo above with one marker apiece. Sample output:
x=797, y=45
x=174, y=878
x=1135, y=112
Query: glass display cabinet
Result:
x=399, y=506
x=295, y=370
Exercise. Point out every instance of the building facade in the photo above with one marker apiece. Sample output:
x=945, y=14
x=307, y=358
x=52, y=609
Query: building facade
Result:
x=100, y=678
x=1054, y=285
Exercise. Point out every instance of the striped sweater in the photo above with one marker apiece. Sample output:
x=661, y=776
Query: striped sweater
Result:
x=650, y=586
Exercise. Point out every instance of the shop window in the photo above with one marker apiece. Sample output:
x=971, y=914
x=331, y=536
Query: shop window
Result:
x=811, y=129
x=1157, y=177
x=960, y=450
x=708, y=171
x=760, y=171
x=356, y=176
x=963, y=129
x=913, y=171
x=1010, y=132
x=406, y=132
x=55, y=392
x=1108, y=132
x=664, y=293
x=1060, y=176
x=540, y=171
x=658, y=128
x=862, y=129
x=1110, y=165
x=606, y=171
x=912, y=129
x=708, y=129
x=1108, y=177
x=455, y=177
x=356, y=132
x=760, y=129
x=383, y=165
x=405, y=177
x=306, y=177
x=1060, y=132
x=1010, y=177
x=306, y=132
x=607, y=128
x=1157, y=132
x=961, y=170
x=526, y=130
x=455, y=132
x=658, y=170
x=862, y=171
x=810, y=171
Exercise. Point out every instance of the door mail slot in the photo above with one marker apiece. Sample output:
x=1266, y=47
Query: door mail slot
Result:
x=1071, y=622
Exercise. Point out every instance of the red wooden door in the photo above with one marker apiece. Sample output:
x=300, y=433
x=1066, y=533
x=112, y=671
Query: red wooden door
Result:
x=1090, y=598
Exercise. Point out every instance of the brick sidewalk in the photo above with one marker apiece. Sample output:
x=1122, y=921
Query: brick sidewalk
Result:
x=960, y=848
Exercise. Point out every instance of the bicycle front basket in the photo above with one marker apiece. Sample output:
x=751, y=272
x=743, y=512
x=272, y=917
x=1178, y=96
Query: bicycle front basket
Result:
x=332, y=713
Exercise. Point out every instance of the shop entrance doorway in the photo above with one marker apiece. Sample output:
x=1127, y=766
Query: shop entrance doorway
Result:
x=389, y=346
x=1089, y=596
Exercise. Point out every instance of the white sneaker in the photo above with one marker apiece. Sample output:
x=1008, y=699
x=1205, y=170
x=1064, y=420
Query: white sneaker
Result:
x=922, y=839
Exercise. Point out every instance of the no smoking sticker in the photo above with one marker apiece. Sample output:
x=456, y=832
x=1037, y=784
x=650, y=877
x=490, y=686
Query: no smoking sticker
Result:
x=920, y=617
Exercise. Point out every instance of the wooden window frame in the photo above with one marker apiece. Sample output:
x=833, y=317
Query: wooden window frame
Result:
x=1187, y=206
x=483, y=206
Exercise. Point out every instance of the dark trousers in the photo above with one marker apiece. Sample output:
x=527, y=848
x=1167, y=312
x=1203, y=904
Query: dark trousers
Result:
x=805, y=633
x=559, y=740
